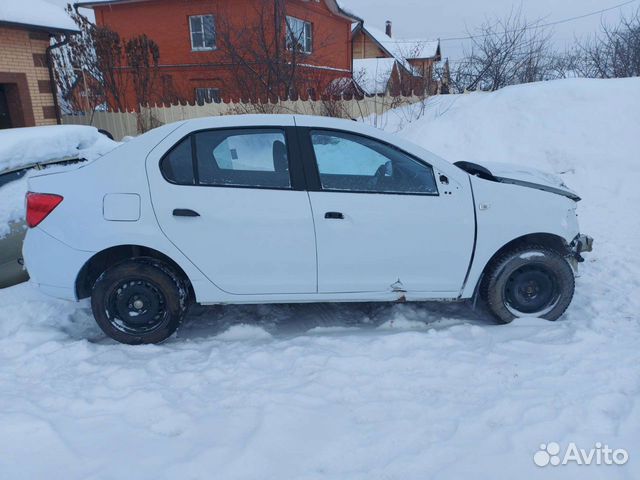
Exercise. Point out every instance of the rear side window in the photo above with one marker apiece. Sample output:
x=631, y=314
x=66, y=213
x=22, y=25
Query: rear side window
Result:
x=233, y=158
x=177, y=165
x=245, y=158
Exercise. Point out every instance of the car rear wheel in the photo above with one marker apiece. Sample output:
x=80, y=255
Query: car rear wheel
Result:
x=139, y=301
x=529, y=281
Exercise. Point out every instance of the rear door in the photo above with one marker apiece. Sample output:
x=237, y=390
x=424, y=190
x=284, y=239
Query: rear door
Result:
x=233, y=201
x=386, y=221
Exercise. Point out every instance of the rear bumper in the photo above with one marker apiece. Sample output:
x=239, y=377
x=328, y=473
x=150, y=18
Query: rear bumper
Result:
x=581, y=243
x=52, y=264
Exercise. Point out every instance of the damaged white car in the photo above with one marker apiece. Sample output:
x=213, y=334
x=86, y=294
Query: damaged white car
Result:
x=271, y=209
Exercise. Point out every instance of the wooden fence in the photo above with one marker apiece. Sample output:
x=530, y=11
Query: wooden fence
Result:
x=122, y=124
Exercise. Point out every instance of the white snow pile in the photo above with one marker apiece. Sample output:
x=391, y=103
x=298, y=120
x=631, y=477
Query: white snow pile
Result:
x=26, y=146
x=363, y=391
x=22, y=147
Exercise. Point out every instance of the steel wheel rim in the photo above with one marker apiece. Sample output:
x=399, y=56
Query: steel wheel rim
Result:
x=136, y=307
x=531, y=290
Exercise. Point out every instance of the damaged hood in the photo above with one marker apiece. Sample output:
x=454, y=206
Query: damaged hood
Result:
x=519, y=175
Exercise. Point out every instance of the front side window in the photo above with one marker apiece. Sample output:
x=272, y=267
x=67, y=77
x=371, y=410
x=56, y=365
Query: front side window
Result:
x=348, y=162
x=203, y=32
x=244, y=158
x=207, y=95
x=299, y=35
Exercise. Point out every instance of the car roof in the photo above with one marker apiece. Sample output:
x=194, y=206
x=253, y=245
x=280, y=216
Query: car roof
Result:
x=283, y=120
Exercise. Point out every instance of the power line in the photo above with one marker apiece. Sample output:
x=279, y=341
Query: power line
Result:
x=531, y=27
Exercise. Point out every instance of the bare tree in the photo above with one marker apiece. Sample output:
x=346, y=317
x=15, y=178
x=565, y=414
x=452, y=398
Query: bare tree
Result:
x=442, y=75
x=77, y=89
x=614, y=53
x=105, y=68
x=268, y=56
x=143, y=55
x=504, y=52
x=92, y=61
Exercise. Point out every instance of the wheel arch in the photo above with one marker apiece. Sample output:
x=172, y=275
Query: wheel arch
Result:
x=99, y=262
x=549, y=240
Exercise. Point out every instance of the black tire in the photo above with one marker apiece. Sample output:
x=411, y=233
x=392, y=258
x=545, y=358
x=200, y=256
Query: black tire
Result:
x=528, y=281
x=139, y=301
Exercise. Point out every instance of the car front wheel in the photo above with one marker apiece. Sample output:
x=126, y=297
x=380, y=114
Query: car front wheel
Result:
x=529, y=281
x=139, y=301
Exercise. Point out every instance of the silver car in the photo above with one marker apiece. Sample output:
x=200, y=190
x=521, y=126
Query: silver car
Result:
x=12, y=269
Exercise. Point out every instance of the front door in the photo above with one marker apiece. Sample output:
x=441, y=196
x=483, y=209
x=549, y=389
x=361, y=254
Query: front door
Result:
x=5, y=118
x=226, y=199
x=384, y=222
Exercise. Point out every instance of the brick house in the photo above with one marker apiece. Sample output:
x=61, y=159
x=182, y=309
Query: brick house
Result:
x=27, y=90
x=202, y=43
x=384, y=64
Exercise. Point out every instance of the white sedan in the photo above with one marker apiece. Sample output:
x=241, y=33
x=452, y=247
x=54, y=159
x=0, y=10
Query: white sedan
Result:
x=283, y=208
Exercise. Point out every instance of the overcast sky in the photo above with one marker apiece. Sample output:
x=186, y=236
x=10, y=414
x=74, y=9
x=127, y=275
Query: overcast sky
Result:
x=452, y=18
x=433, y=19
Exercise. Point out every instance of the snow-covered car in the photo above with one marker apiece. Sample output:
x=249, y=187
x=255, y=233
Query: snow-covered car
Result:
x=12, y=225
x=283, y=208
x=23, y=150
x=12, y=231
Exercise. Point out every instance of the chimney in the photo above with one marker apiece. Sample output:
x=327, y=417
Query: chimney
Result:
x=387, y=28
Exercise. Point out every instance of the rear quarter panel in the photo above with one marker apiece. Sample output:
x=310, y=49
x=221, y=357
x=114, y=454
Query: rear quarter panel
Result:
x=79, y=221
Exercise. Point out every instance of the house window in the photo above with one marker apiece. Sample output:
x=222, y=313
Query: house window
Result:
x=207, y=95
x=203, y=33
x=299, y=35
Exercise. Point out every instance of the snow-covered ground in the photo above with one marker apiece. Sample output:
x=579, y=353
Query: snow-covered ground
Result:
x=363, y=391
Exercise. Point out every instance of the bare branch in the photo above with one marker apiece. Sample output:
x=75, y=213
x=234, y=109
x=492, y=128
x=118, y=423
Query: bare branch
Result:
x=504, y=52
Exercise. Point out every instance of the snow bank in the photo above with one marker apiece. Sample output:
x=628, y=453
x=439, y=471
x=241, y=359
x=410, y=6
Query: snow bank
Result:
x=362, y=391
x=557, y=126
x=26, y=146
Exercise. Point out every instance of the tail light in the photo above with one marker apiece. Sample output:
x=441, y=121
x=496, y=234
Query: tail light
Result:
x=39, y=206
